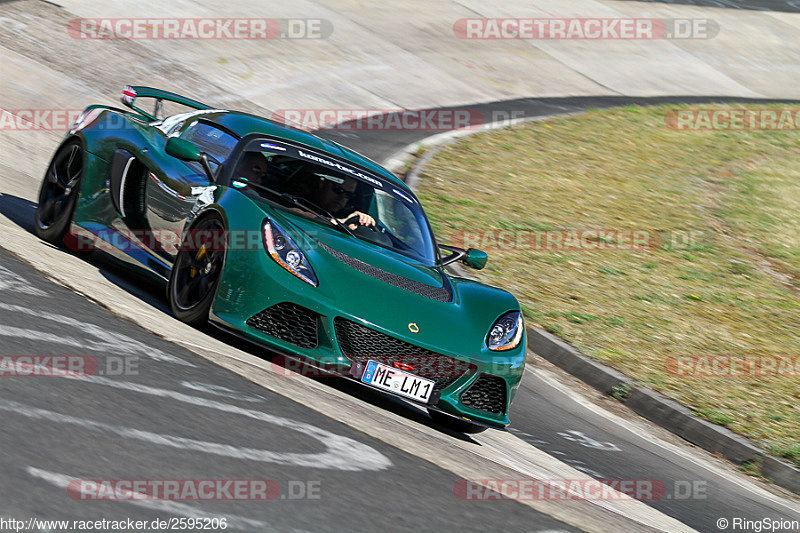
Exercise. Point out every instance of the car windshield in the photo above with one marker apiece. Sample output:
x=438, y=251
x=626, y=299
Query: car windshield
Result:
x=316, y=186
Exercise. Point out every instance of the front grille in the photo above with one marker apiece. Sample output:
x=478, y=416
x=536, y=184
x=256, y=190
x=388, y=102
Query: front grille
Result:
x=440, y=294
x=361, y=344
x=488, y=393
x=288, y=322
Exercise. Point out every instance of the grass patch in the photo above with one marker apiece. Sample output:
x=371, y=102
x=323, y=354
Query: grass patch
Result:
x=621, y=392
x=750, y=468
x=715, y=417
x=719, y=211
x=787, y=451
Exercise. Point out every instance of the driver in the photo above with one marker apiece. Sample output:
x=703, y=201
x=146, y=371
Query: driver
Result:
x=253, y=168
x=335, y=194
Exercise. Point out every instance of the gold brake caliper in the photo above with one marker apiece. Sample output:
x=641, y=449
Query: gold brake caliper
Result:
x=198, y=257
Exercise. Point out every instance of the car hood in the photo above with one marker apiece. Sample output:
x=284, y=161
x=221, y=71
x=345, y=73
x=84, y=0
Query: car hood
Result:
x=389, y=292
x=358, y=250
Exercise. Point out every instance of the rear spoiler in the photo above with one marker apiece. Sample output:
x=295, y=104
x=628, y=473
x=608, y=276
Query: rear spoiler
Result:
x=131, y=93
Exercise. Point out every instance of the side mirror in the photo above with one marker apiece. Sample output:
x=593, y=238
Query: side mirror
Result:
x=182, y=149
x=186, y=151
x=475, y=258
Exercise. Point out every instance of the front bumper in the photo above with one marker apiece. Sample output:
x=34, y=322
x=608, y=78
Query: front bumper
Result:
x=301, y=321
x=482, y=394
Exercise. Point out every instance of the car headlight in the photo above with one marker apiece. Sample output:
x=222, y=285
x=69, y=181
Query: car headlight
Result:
x=506, y=332
x=286, y=253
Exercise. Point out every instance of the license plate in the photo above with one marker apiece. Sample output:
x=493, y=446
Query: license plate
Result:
x=397, y=381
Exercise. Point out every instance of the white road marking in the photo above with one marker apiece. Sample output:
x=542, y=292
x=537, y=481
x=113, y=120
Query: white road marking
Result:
x=107, y=341
x=514, y=463
x=338, y=456
x=532, y=440
x=218, y=390
x=343, y=453
x=584, y=440
x=580, y=465
x=576, y=463
x=642, y=432
x=11, y=281
x=177, y=508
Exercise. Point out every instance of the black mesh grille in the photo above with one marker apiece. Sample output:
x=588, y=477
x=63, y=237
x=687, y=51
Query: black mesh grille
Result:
x=361, y=344
x=440, y=294
x=488, y=393
x=288, y=322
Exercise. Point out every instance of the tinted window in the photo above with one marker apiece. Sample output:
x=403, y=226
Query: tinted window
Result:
x=209, y=139
x=340, y=190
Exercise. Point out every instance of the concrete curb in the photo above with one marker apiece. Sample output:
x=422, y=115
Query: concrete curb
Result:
x=561, y=354
x=434, y=143
x=667, y=413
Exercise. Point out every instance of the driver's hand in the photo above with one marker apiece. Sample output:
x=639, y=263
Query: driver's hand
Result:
x=363, y=220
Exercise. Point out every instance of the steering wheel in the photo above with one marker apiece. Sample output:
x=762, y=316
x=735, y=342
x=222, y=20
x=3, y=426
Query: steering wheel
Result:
x=354, y=220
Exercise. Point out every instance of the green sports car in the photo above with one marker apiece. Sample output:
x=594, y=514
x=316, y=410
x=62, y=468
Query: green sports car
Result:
x=291, y=241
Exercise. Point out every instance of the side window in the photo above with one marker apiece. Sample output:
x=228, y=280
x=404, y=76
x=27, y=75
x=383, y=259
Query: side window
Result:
x=211, y=140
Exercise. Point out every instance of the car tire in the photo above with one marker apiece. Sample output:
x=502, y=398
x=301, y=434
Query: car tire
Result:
x=454, y=423
x=196, y=272
x=58, y=194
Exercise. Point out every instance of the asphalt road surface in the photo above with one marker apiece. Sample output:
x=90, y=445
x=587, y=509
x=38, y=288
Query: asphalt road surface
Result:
x=155, y=410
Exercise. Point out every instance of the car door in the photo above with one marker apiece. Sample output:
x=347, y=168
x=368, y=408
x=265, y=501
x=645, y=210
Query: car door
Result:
x=173, y=186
